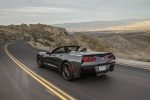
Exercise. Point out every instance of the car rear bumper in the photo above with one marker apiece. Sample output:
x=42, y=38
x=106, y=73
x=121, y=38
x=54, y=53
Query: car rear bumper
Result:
x=94, y=69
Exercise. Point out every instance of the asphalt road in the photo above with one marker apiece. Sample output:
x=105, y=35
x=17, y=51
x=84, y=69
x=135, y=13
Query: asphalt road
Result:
x=124, y=83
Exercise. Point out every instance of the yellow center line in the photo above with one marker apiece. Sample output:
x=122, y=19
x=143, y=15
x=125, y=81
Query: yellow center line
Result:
x=40, y=79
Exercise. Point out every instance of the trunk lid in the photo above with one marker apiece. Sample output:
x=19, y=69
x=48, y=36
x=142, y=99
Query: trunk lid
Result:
x=101, y=57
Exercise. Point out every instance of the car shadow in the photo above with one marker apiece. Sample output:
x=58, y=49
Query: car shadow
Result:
x=92, y=78
x=82, y=79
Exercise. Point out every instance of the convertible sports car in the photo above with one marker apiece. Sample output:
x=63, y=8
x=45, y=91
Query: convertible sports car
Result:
x=73, y=63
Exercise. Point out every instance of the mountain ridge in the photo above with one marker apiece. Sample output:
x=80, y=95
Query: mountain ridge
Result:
x=92, y=25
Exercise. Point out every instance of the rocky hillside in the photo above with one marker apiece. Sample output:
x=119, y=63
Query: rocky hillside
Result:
x=131, y=45
x=48, y=37
x=18, y=32
x=123, y=45
x=83, y=40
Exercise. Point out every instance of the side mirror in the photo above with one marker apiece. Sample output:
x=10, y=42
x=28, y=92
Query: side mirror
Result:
x=48, y=53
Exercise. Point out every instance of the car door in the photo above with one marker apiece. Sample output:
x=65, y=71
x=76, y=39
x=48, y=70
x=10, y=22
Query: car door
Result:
x=49, y=59
x=58, y=59
x=54, y=59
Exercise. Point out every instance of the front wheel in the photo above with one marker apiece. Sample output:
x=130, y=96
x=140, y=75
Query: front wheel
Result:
x=67, y=72
x=40, y=65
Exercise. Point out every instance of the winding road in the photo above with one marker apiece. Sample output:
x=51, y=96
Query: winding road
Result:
x=21, y=79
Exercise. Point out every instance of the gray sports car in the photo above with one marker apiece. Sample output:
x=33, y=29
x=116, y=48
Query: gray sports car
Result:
x=73, y=62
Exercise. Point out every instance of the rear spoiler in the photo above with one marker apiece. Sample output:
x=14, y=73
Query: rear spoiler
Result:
x=100, y=55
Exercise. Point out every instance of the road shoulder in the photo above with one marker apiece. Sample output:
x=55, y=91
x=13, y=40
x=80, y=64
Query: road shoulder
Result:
x=133, y=63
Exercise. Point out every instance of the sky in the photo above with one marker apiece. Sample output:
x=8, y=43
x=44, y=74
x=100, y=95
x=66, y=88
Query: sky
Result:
x=71, y=11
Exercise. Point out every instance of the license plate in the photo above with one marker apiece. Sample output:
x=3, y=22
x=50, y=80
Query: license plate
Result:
x=102, y=68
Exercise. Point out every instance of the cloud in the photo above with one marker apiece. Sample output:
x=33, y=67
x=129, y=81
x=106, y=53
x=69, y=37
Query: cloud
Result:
x=37, y=10
x=64, y=11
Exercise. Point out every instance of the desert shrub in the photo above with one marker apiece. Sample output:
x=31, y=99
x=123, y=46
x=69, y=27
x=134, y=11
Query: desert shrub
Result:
x=60, y=42
x=35, y=38
x=68, y=40
x=148, y=38
x=91, y=42
x=46, y=44
x=80, y=39
x=73, y=42
x=48, y=38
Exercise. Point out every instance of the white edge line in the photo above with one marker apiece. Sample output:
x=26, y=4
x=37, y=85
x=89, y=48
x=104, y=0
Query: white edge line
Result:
x=50, y=92
x=27, y=45
x=32, y=46
x=134, y=66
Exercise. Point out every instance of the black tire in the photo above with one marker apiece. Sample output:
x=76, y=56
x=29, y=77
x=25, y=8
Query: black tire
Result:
x=112, y=68
x=67, y=72
x=40, y=64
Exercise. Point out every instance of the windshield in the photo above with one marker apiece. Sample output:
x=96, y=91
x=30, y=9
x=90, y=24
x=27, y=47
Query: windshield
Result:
x=65, y=49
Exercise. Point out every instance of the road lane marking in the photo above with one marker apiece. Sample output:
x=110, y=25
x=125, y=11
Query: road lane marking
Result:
x=30, y=46
x=44, y=80
x=49, y=88
x=129, y=65
x=27, y=45
x=41, y=80
x=50, y=92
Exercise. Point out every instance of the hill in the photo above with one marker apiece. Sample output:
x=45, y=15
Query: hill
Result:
x=19, y=32
x=48, y=37
x=127, y=24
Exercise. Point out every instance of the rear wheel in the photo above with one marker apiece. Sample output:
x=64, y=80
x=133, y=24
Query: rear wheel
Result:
x=67, y=72
x=111, y=68
x=40, y=64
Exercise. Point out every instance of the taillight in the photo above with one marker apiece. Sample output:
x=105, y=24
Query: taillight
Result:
x=89, y=59
x=110, y=57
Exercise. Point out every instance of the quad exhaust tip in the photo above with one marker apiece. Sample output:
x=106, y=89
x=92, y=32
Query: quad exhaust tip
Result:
x=101, y=74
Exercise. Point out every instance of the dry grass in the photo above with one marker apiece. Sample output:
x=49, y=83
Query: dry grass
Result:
x=80, y=39
x=90, y=42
